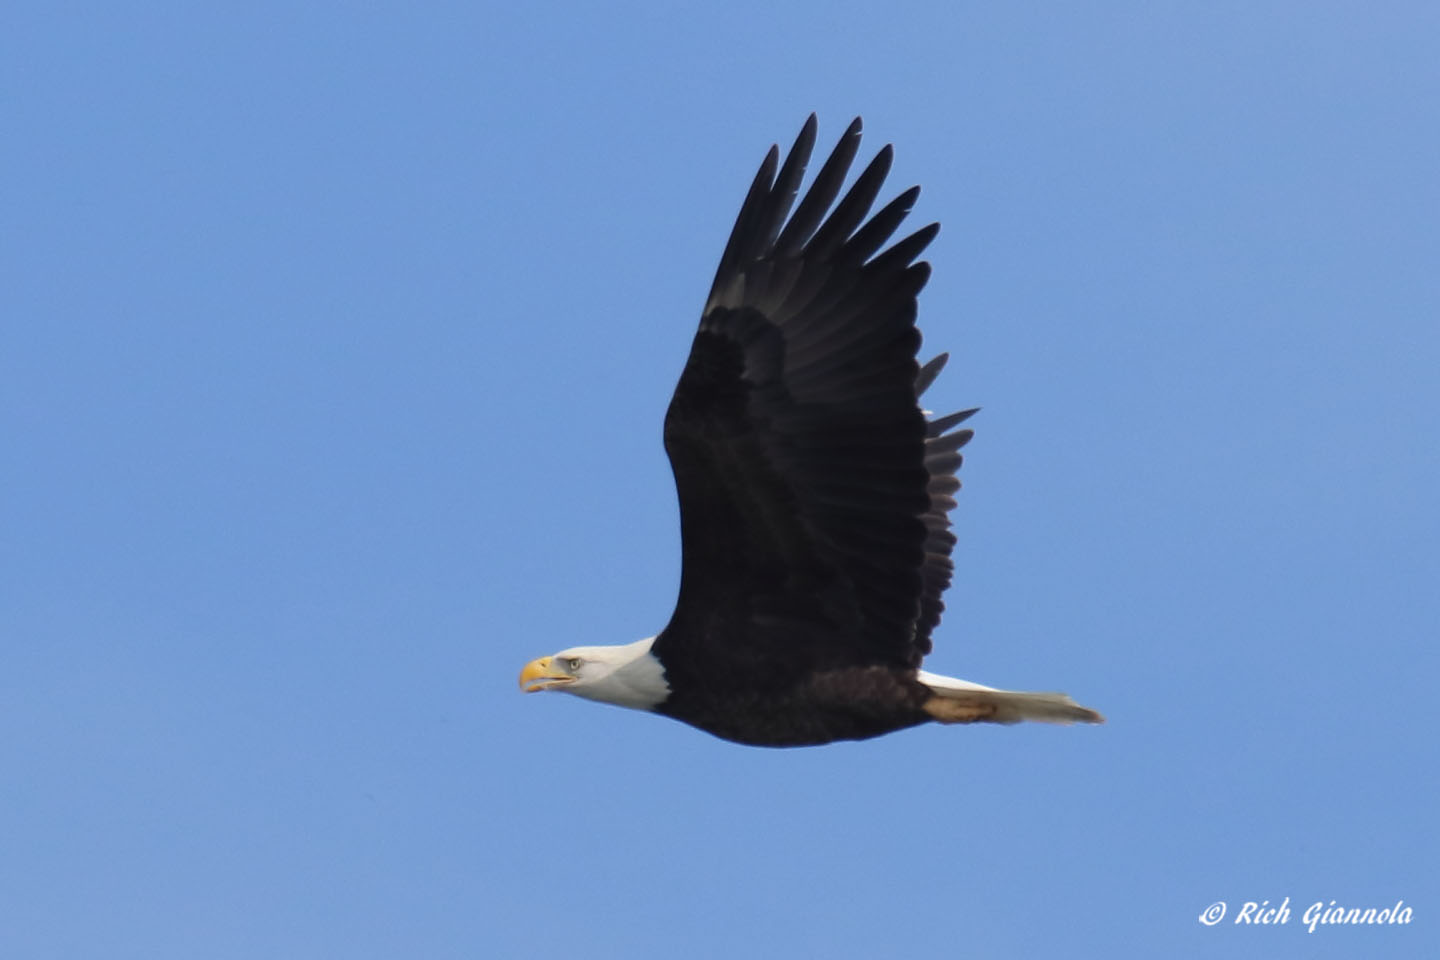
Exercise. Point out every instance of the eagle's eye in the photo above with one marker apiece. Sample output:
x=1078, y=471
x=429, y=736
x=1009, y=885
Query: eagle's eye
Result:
x=573, y=664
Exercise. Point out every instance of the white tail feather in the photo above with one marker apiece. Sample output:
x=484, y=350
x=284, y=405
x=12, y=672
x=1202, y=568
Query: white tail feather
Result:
x=960, y=701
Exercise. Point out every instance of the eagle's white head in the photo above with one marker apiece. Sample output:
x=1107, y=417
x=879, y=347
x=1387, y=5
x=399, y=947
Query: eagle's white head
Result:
x=628, y=675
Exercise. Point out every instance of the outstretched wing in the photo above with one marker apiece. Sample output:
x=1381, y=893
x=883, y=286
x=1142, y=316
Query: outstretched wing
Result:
x=813, y=496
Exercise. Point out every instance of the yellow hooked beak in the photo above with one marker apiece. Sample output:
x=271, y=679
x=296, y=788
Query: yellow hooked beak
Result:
x=541, y=674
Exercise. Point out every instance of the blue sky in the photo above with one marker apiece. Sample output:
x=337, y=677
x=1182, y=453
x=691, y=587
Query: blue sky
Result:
x=334, y=350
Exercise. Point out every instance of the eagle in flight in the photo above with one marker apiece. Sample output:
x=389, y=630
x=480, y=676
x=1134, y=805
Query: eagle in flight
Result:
x=814, y=489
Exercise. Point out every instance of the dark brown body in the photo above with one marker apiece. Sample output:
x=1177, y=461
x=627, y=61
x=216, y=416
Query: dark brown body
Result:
x=845, y=704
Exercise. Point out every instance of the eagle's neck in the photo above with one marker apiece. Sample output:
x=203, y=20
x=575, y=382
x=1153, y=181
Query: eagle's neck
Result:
x=636, y=680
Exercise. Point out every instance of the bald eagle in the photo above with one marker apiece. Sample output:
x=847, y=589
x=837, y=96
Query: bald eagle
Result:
x=814, y=490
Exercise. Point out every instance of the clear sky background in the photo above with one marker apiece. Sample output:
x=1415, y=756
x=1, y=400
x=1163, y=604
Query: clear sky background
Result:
x=334, y=350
